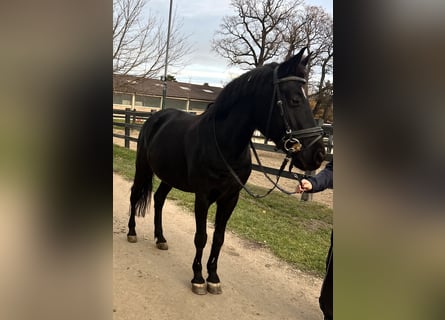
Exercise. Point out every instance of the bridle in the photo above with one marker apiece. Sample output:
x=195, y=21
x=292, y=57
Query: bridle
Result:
x=290, y=141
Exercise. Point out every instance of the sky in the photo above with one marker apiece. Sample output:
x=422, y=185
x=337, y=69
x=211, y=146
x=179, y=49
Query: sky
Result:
x=200, y=20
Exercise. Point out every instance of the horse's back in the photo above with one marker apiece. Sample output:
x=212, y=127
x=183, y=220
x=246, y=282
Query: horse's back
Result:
x=165, y=116
x=166, y=119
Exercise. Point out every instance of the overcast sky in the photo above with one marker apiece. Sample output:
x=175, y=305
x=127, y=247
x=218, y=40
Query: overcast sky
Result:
x=200, y=20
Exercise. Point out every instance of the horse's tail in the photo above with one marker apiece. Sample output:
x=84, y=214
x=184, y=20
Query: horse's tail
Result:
x=142, y=187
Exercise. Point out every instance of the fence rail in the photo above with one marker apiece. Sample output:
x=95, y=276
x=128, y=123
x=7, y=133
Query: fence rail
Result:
x=134, y=120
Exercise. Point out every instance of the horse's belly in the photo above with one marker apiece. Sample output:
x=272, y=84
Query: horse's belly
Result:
x=171, y=172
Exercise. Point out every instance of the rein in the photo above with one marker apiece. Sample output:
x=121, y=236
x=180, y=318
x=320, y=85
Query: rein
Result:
x=291, y=144
x=235, y=176
x=297, y=176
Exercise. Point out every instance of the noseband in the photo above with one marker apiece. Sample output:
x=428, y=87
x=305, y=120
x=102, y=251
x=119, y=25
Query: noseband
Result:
x=290, y=141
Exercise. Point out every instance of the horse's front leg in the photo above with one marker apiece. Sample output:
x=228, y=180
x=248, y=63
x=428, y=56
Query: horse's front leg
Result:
x=201, y=209
x=223, y=212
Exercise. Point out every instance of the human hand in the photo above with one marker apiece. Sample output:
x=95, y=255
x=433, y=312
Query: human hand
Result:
x=305, y=185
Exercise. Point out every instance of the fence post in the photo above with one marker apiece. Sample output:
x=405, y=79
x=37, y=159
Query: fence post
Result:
x=127, y=128
x=306, y=196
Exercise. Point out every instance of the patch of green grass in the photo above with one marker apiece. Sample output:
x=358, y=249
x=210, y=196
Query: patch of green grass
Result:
x=124, y=161
x=119, y=121
x=295, y=231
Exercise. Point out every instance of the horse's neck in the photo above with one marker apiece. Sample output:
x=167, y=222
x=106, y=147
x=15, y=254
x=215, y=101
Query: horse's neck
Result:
x=234, y=131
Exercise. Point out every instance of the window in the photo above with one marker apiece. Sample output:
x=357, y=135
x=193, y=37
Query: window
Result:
x=198, y=105
x=146, y=101
x=175, y=104
x=122, y=98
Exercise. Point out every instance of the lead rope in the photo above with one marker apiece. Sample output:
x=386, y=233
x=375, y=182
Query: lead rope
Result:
x=297, y=176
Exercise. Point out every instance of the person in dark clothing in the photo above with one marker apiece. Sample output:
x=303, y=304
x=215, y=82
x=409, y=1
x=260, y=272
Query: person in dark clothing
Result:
x=321, y=181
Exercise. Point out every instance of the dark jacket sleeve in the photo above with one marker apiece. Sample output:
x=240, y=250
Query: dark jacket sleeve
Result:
x=324, y=179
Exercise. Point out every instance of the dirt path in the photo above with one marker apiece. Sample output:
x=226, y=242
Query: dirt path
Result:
x=151, y=284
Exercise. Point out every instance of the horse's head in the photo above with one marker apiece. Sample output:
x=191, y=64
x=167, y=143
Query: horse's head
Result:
x=290, y=123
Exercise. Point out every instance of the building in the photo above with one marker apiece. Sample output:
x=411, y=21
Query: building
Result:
x=144, y=94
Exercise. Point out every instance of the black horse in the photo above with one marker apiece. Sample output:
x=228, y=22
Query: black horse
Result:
x=209, y=154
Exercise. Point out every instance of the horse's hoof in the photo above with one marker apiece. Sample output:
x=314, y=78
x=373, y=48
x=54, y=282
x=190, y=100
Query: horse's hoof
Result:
x=214, y=288
x=162, y=245
x=132, y=239
x=199, y=288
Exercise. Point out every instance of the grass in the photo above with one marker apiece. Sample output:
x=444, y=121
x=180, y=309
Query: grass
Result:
x=119, y=121
x=295, y=231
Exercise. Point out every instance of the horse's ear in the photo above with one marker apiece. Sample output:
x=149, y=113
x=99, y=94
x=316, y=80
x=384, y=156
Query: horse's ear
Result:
x=305, y=61
x=298, y=56
x=290, y=66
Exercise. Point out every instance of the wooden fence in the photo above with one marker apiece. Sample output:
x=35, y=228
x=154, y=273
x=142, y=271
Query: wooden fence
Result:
x=129, y=119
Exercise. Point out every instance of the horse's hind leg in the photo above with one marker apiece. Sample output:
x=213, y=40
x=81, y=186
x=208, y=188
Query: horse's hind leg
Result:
x=159, y=199
x=140, y=192
x=139, y=200
x=131, y=235
x=223, y=212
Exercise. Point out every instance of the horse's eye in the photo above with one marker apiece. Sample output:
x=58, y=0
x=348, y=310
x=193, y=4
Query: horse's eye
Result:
x=298, y=97
x=295, y=99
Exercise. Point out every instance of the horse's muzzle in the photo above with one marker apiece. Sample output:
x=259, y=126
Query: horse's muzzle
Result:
x=309, y=159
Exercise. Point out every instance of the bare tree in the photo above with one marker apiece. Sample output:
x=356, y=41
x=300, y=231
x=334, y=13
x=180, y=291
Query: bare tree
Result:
x=139, y=41
x=253, y=36
x=311, y=28
x=265, y=30
x=318, y=32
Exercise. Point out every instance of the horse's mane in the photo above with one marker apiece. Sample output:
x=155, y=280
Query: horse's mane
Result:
x=246, y=84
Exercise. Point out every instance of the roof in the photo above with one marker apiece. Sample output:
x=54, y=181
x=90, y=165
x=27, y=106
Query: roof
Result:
x=153, y=87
